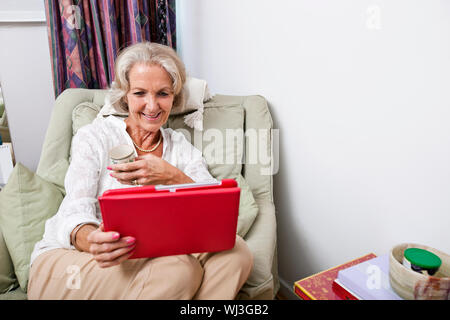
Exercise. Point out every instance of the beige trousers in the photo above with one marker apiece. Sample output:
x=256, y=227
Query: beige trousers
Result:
x=70, y=274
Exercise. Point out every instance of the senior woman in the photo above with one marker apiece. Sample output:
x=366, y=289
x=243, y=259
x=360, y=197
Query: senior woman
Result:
x=77, y=259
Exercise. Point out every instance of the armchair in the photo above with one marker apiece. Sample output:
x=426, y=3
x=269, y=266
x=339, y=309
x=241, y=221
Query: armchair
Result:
x=261, y=237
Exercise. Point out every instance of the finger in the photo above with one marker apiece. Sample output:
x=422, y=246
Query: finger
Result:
x=129, y=166
x=117, y=261
x=106, y=247
x=101, y=228
x=98, y=236
x=113, y=255
x=126, y=176
x=128, y=182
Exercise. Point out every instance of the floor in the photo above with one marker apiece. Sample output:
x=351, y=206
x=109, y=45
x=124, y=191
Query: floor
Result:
x=280, y=296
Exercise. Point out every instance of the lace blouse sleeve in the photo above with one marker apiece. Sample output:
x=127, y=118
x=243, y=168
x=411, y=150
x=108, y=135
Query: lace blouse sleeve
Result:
x=81, y=184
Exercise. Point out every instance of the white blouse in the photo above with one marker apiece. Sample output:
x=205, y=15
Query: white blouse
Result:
x=88, y=177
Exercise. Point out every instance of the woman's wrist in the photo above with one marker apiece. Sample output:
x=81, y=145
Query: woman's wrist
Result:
x=79, y=236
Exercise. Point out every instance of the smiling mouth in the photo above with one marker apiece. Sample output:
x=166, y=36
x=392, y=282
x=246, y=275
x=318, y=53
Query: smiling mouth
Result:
x=152, y=117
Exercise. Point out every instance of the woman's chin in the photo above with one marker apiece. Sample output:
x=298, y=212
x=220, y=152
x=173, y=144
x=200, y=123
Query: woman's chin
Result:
x=153, y=127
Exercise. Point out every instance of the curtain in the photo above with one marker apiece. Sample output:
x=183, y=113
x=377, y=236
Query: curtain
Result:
x=85, y=36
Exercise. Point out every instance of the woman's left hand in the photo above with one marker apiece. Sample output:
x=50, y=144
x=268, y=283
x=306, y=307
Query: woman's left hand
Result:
x=148, y=170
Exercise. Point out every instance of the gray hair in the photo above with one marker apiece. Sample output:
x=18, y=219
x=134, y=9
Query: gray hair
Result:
x=151, y=53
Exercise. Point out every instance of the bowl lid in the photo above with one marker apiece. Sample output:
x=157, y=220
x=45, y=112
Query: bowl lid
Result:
x=422, y=258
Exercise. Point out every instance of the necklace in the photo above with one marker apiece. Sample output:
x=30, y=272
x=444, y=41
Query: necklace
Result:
x=152, y=149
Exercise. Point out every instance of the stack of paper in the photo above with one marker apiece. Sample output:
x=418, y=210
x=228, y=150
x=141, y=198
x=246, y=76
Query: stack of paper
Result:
x=369, y=280
x=6, y=164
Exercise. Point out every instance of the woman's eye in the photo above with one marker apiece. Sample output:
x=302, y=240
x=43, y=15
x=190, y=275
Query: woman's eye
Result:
x=139, y=93
x=163, y=94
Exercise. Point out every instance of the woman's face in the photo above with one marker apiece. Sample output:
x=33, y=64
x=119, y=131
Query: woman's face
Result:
x=150, y=97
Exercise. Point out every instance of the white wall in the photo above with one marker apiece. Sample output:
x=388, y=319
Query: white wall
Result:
x=360, y=93
x=25, y=75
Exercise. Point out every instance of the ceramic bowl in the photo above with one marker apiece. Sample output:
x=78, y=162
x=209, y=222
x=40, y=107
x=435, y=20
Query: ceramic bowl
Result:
x=412, y=285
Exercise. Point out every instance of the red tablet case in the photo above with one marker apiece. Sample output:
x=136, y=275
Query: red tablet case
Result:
x=176, y=221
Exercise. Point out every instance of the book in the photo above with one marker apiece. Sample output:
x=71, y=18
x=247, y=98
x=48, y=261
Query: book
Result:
x=368, y=280
x=320, y=285
x=344, y=292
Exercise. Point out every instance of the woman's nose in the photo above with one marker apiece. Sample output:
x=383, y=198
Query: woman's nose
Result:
x=151, y=103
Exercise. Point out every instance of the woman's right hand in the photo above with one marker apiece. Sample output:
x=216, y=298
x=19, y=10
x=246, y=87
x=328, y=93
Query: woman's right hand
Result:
x=108, y=248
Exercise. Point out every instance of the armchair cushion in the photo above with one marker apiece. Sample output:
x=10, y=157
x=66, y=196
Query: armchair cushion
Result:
x=8, y=279
x=16, y=294
x=83, y=114
x=57, y=174
x=248, y=209
x=26, y=202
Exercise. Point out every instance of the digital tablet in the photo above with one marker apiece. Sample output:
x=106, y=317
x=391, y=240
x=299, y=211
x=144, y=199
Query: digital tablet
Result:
x=174, y=219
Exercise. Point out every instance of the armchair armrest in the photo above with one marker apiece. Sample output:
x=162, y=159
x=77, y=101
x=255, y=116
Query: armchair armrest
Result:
x=261, y=240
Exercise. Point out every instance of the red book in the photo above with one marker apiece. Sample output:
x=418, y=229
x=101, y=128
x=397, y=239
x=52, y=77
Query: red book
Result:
x=320, y=285
x=343, y=291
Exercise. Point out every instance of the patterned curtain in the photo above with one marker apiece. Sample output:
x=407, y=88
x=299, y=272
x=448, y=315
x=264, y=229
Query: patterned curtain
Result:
x=85, y=36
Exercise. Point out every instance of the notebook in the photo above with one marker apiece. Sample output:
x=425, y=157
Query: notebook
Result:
x=175, y=219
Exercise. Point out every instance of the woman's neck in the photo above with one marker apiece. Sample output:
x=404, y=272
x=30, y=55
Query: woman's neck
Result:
x=143, y=138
